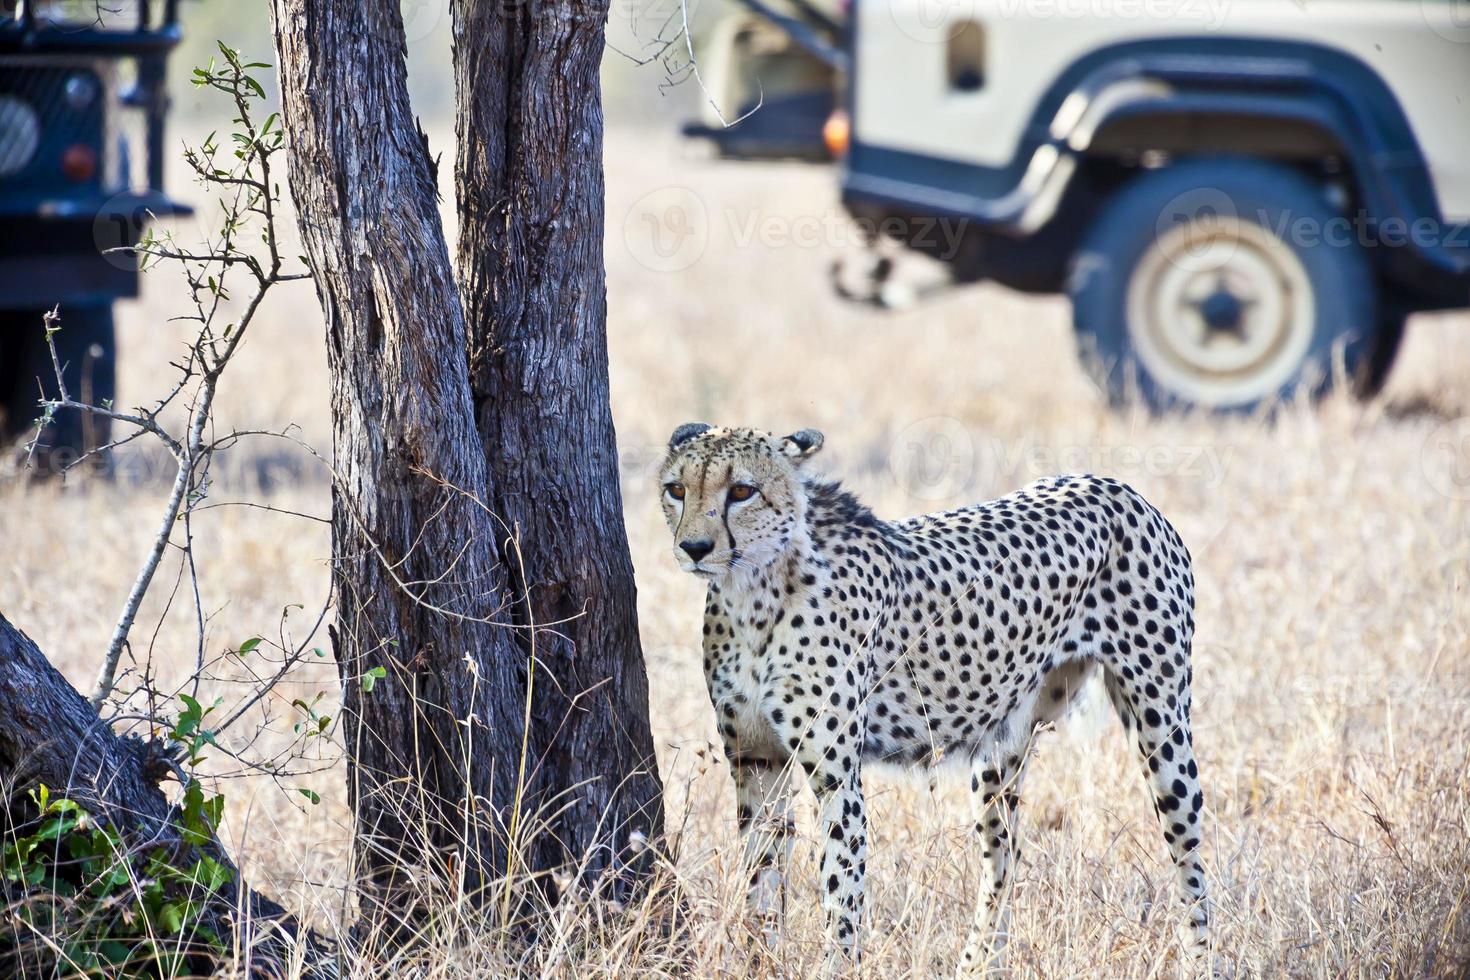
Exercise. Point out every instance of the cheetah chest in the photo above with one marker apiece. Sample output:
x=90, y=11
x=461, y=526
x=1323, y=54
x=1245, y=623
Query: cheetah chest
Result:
x=735, y=691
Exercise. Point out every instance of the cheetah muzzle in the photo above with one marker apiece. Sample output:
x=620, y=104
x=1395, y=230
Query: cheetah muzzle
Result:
x=833, y=638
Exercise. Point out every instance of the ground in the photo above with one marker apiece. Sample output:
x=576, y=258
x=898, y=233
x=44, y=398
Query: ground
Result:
x=1330, y=547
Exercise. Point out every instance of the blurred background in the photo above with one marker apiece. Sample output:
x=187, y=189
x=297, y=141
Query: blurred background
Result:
x=973, y=243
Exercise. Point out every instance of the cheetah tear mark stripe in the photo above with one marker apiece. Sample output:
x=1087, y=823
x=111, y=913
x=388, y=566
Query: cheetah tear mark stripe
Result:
x=725, y=519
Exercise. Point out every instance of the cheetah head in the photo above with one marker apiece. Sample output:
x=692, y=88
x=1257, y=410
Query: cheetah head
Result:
x=733, y=498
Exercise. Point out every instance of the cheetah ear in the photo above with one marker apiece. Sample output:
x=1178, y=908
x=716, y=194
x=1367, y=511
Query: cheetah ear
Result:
x=686, y=432
x=802, y=444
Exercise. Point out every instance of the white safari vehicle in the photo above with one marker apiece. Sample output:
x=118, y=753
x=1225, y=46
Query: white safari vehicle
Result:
x=1241, y=197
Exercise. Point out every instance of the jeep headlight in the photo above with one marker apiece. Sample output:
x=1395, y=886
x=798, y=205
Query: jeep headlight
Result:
x=20, y=134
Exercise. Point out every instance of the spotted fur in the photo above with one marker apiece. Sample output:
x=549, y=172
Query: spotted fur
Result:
x=833, y=638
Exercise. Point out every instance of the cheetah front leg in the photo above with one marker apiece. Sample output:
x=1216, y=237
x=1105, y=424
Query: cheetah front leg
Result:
x=827, y=743
x=996, y=790
x=764, y=811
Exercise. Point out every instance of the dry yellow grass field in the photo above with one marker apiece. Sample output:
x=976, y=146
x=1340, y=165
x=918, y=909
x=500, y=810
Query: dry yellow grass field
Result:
x=1332, y=684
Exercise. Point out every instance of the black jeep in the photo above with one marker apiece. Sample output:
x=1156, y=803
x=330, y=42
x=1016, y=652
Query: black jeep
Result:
x=82, y=106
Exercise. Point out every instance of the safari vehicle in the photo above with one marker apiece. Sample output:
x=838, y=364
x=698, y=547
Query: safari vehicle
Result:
x=1241, y=198
x=82, y=106
x=774, y=70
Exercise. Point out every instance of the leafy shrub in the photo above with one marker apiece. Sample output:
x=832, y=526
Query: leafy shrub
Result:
x=79, y=903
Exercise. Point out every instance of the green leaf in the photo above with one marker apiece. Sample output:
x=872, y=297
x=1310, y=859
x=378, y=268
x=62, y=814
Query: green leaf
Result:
x=211, y=874
x=170, y=918
x=372, y=677
x=249, y=645
x=63, y=805
x=310, y=794
x=190, y=717
x=201, y=816
x=114, y=951
x=56, y=827
x=214, y=810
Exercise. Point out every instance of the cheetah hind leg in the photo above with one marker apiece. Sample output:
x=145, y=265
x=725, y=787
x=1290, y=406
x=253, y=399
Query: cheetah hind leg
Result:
x=995, y=785
x=996, y=791
x=1166, y=746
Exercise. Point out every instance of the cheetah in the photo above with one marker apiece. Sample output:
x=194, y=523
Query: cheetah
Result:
x=833, y=638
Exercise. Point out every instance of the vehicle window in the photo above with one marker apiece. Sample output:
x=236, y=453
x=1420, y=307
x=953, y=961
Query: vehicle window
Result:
x=966, y=57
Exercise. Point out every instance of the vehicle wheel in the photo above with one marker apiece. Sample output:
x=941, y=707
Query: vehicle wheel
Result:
x=1185, y=287
x=86, y=348
x=1379, y=353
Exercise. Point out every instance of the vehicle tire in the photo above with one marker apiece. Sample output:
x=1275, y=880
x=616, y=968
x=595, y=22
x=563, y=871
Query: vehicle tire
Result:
x=86, y=347
x=1379, y=353
x=1185, y=291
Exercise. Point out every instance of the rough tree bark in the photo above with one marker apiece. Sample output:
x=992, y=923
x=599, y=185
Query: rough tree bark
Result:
x=415, y=559
x=426, y=500
x=50, y=734
x=530, y=193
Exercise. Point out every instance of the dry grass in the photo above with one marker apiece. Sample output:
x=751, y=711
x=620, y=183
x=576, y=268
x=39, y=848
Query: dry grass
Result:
x=1332, y=682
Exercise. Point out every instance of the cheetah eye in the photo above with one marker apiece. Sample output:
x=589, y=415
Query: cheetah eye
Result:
x=741, y=492
x=675, y=490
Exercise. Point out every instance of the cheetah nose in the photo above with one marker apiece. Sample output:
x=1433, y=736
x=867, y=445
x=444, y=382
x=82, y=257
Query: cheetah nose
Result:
x=697, y=549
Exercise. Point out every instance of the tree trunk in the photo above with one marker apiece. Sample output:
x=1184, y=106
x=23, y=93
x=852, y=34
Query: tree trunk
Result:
x=530, y=189
x=432, y=486
x=51, y=735
x=420, y=587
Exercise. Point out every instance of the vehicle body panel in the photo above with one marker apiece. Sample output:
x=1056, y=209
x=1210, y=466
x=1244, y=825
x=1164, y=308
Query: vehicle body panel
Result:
x=1029, y=44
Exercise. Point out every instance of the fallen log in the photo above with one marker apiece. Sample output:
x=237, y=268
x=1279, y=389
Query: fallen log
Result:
x=51, y=736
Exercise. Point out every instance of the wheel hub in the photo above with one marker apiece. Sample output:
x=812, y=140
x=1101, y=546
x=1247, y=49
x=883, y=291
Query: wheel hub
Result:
x=1220, y=313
